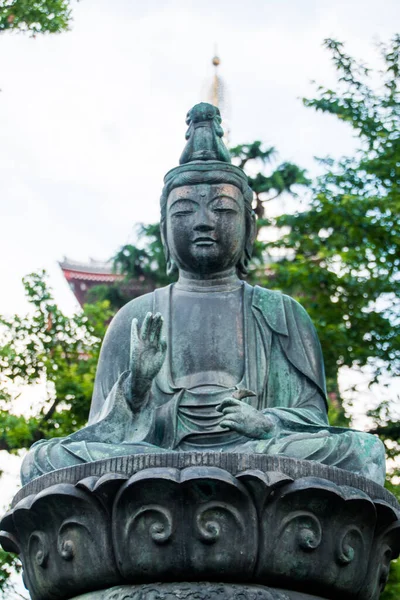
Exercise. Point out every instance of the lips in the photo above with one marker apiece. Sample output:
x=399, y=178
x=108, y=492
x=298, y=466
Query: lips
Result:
x=204, y=241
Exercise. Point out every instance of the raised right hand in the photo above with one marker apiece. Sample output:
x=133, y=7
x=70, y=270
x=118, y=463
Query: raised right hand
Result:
x=147, y=354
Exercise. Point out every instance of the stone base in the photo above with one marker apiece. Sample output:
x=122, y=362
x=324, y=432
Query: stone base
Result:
x=195, y=591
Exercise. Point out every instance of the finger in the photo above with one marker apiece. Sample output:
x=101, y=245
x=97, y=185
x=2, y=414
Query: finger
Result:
x=134, y=331
x=144, y=330
x=163, y=345
x=228, y=402
x=231, y=410
x=157, y=339
x=154, y=329
x=234, y=418
x=230, y=424
x=134, y=337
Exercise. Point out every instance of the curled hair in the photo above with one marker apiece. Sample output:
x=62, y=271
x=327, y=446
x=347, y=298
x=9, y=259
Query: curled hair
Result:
x=216, y=176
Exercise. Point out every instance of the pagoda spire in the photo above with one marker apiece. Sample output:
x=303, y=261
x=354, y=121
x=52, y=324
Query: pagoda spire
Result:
x=216, y=85
x=216, y=93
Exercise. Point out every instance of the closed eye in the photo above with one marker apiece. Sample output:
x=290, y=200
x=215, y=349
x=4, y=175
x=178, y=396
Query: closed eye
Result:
x=222, y=209
x=224, y=204
x=183, y=207
x=181, y=213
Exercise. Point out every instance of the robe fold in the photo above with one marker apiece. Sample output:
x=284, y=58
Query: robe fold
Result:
x=283, y=366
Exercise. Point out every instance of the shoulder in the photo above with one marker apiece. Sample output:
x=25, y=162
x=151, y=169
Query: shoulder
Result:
x=281, y=310
x=298, y=311
x=136, y=308
x=119, y=329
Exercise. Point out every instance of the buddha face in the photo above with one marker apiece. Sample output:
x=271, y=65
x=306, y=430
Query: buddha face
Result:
x=205, y=227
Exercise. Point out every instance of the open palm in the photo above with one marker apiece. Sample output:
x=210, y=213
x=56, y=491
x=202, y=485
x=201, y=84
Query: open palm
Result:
x=148, y=348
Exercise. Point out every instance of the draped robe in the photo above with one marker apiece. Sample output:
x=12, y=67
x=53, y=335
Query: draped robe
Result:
x=283, y=365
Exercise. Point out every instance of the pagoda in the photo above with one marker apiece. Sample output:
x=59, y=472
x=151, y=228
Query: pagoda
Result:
x=81, y=277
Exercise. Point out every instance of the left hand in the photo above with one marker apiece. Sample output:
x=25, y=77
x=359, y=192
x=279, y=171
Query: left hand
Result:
x=245, y=419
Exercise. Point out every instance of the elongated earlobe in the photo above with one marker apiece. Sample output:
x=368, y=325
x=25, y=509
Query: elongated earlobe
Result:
x=171, y=267
x=251, y=232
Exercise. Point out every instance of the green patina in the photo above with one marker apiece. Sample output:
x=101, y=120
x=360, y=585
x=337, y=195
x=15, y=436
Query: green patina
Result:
x=210, y=363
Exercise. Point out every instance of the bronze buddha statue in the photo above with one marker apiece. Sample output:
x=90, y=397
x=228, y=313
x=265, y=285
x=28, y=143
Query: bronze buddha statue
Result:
x=210, y=362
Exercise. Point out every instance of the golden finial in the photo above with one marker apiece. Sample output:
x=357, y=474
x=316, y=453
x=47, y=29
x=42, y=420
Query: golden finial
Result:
x=215, y=92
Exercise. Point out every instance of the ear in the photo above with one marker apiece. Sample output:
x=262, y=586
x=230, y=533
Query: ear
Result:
x=170, y=265
x=251, y=233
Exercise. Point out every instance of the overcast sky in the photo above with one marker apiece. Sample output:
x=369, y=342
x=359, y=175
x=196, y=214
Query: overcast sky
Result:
x=90, y=120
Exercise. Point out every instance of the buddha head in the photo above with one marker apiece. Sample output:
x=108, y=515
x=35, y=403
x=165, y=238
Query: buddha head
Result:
x=207, y=221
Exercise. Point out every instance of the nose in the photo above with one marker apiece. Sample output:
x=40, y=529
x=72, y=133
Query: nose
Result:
x=204, y=221
x=203, y=227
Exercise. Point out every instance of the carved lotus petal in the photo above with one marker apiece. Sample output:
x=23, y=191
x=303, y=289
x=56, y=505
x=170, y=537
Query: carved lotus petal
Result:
x=198, y=521
x=168, y=522
x=63, y=531
x=314, y=530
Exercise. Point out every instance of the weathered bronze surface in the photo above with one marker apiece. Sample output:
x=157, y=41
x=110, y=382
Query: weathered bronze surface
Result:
x=210, y=363
x=196, y=591
x=199, y=517
x=208, y=463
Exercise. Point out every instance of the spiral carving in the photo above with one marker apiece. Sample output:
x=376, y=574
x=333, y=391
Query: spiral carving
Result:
x=39, y=548
x=65, y=545
x=347, y=555
x=309, y=530
x=165, y=524
x=207, y=525
x=161, y=528
x=209, y=530
x=346, y=552
x=66, y=549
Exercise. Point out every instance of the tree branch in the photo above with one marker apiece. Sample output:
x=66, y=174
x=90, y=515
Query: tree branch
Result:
x=50, y=412
x=390, y=431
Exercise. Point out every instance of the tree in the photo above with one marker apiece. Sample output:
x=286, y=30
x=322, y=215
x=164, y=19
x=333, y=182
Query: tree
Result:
x=340, y=257
x=268, y=187
x=58, y=352
x=35, y=16
x=343, y=251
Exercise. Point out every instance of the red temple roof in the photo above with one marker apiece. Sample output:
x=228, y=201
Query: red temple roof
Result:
x=82, y=277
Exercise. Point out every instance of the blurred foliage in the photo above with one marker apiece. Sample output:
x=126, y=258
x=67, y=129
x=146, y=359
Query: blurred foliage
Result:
x=340, y=256
x=56, y=351
x=346, y=245
x=268, y=186
x=9, y=565
x=144, y=261
x=35, y=16
x=148, y=260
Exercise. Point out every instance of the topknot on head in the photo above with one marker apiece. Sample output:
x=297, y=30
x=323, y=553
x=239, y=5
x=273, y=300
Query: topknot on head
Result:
x=204, y=135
